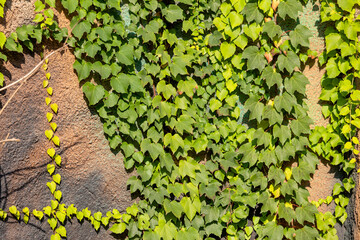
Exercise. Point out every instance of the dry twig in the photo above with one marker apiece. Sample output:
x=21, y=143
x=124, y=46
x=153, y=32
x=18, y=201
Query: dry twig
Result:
x=10, y=140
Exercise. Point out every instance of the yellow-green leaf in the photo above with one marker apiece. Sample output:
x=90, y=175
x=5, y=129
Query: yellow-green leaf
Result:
x=26, y=211
x=50, y=168
x=56, y=140
x=230, y=85
x=48, y=75
x=54, y=107
x=52, y=186
x=13, y=210
x=53, y=126
x=62, y=231
x=49, y=116
x=288, y=173
x=55, y=236
x=57, y=178
x=49, y=134
x=57, y=160
x=50, y=91
x=346, y=129
x=348, y=145
x=58, y=195
x=45, y=83
x=47, y=101
x=51, y=152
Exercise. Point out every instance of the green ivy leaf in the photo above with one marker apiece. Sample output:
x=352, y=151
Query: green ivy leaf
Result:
x=272, y=30
x=81, y=28
x=300, y=126
x=286, y=212
x=82, y=68
x=306, y=213
x=201, y=143
x=274, y=231
x=288, y=62
x=173, y=13
x=227, y=50
x=118, y=228
x=346, y=5
x=255, y=57
x=271, y=77
x=333, y=41
x=306, y=233
x=125, y=55
x=188, y=168
x=91, y=49
x=178, y=65
x=289, y=8
x=61, y=230
x=94, y=93
x=300, y=36
x=282, y=132
x=70, y=5
x=51, y=3
x=296, y=83
x=189, y=208
x=166, y=230
x=166, y=89
x=252, y=13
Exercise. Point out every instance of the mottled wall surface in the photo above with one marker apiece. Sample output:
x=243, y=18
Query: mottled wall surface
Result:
x=92, y=175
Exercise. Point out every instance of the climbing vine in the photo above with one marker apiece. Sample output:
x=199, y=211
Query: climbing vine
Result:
x=205, y=99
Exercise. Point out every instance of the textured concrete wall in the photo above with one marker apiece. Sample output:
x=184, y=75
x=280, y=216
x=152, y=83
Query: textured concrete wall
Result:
x=92, y=175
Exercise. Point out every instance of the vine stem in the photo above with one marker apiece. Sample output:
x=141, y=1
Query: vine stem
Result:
x=10, y=140
x=2, y=145
x=12, y=96
x=29, y=74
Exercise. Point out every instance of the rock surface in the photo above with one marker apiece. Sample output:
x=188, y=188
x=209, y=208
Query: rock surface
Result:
x=92, y=175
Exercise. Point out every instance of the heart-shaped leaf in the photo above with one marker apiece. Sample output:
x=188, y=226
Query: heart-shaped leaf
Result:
x=58, y=160
x=57, y=196
x=45, y=83
x=56, y=140
x=51, y=152
x=47, y=101
x=49, y=134
x=62, y=231
x=53, y=126
x=50, y=91
x=230, y=85
x=49, y=116
x=48, y=75
x=53, y=223
x=54, y=107
x=227, y=50
x=55, y=236
x=50, y=168
x=52, y=186
x=54, y=204
x=47, y=210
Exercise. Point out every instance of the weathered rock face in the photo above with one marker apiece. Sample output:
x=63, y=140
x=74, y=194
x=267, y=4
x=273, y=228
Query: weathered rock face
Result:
x=92, y=175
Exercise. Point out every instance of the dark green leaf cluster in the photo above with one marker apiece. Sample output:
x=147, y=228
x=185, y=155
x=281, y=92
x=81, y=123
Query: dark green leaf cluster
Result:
x=171, y=76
